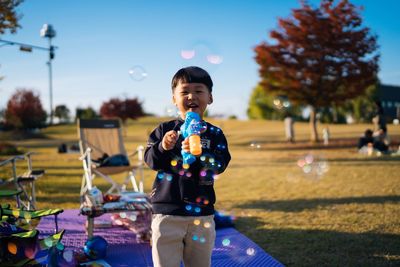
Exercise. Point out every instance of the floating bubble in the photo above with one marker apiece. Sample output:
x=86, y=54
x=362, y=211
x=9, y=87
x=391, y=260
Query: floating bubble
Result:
x=202, y=240
x=174, y=163
x=197, y=209
x=137, y=73
x=226, y=242
x=133, y=217
x=207, y=225
x=196, y=222
x=281, y=103
x=195, y=237
x=313, y=166
x=122, y=215
x=255, y=145
x=203, y=54
x=171, y=111
x=250, y=251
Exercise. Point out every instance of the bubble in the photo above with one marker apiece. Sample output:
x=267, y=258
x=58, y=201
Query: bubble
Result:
x=202, y=53
x=313, y=166
x=12, y=248
x=195, y=237
x=250, y=251
x=137, y=73
x=188, y=207
x=202, y=240
x=122, y=215
x=133, y=217
x=207, y=225
x=160, y=175
x=197, y=209
x=281, y=103
x=174, y=163
x=255, y=145
x=171, y=111
x=226, y=242
x=169, y=177
x=196, y=222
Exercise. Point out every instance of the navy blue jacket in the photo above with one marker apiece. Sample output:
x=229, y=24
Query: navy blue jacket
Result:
x=185, y=190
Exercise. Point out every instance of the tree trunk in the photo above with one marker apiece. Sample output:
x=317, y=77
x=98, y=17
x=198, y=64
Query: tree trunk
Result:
x=313, y=125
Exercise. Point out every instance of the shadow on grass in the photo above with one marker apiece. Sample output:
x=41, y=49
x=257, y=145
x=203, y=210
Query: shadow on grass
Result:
x=296, y=247
x=297, y=205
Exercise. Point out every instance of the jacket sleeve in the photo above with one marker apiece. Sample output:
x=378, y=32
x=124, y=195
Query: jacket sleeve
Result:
x=155, y=156
x=221, y=152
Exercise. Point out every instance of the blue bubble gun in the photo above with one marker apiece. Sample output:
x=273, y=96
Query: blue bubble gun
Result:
x=191, y=128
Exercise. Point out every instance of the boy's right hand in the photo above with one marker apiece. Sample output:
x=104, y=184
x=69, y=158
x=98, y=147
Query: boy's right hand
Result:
x=169, y=140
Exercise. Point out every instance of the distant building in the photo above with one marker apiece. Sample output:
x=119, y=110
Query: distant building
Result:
x=389, y=95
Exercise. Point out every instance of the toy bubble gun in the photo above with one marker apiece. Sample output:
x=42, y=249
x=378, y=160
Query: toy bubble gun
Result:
x=191, y=128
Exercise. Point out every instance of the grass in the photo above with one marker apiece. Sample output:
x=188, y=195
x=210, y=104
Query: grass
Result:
x=346, y=215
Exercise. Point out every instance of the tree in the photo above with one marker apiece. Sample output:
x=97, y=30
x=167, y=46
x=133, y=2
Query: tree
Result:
x=321, y=57
x=85, y=113
x=62, y=113
x=123, y=109
x=262, y=105
x=8, y=16
x=25, y=111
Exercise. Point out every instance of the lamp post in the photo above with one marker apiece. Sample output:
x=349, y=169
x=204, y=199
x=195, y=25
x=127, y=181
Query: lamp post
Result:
x=48, y=32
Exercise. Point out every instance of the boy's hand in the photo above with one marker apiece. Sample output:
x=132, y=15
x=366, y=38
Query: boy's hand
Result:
x=186, y=145
x=169, y=140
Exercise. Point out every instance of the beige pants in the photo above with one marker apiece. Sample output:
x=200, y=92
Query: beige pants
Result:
x=187, y=238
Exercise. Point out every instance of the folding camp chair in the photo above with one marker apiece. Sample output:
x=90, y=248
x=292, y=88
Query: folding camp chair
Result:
x=99, y=139
x=23, y=184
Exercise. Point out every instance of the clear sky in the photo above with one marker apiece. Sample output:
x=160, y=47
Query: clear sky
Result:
x=99, y=42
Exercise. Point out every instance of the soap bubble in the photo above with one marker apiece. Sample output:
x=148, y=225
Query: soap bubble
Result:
x=203, y=54
x=313, y=166
x=137, y=73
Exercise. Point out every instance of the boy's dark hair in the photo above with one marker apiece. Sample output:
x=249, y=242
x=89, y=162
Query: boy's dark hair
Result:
x=192, y=74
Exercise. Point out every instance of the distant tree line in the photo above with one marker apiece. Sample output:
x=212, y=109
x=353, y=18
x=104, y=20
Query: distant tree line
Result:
x=24, y=111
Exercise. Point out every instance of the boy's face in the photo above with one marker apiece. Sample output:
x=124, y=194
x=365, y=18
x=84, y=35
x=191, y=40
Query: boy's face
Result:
x=191, y=97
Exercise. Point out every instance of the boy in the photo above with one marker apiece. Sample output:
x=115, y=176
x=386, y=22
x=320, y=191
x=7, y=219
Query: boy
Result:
x=183, y=196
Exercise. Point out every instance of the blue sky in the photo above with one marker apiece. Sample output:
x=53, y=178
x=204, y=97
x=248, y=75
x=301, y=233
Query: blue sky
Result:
x=101, y=41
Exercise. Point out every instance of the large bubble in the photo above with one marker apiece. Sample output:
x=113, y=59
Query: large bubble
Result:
x=203, y=54
x=137, y=73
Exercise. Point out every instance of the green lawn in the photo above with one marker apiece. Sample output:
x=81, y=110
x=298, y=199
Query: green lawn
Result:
x=345, y=212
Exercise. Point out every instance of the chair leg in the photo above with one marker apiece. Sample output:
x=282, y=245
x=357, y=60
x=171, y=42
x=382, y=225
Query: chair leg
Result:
x=90, y=226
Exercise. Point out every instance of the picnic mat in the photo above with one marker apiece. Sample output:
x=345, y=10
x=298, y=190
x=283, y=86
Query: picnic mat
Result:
x=231, y=247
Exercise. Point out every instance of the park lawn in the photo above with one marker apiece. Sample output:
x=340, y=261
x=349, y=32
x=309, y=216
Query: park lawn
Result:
x=347, y=214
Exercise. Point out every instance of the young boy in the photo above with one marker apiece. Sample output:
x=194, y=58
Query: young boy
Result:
x=183, y=195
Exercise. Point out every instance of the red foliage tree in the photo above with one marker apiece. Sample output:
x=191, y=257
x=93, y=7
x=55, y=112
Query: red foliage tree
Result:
x=25, y=111
x=123, y=109
x=320, y=56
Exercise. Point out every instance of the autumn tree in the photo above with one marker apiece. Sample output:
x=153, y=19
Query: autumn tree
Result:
x=8, y=16
x=123, y=109
x=320, y=56
x=25, y=111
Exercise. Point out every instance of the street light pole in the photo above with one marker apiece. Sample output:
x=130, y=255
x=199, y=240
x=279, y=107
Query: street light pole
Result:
x=48, y=32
